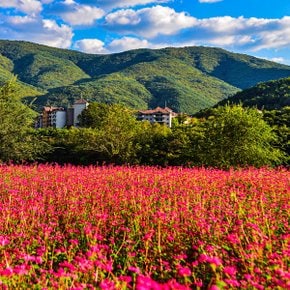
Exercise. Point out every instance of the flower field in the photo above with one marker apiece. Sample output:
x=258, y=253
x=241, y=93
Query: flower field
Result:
x=143, y=228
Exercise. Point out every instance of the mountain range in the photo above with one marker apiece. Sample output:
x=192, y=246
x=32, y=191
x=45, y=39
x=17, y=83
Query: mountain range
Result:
x=186, y=79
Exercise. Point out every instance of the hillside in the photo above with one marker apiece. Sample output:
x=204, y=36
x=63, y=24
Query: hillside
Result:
x=186, y=79
x=271, y=95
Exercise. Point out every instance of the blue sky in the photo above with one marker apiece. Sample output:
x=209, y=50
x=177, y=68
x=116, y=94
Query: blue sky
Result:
x=256, y=27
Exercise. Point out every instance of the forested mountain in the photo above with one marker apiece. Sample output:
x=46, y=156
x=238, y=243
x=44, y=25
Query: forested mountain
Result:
x=271, y=95
x=186, y=79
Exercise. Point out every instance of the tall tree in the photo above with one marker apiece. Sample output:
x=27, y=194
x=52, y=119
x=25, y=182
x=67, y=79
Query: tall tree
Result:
x=18, y=141
x=111, y=131
x=237, y=136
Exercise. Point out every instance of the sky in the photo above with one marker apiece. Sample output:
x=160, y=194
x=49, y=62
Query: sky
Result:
x=256, y=27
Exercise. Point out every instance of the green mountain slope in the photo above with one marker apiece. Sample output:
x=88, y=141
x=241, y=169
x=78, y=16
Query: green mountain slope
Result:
x=186, y=79
x=157, y=83
x=22, y=89
x=271, y=95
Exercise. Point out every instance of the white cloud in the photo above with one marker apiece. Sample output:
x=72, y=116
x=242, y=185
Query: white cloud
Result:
x=128, y=43
x=112, y=4
x=256, y=33
x=277, y=36
x=165, y=25
x=149, y=22
x=37, y=30
x=278, y=59
x=76, y=14
x=21, y=20
x=96, y=46
x=90, y=46
x=123, y=17
x=26, y=6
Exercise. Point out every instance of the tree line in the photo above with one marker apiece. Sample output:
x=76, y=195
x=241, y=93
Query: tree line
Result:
x=230, y=136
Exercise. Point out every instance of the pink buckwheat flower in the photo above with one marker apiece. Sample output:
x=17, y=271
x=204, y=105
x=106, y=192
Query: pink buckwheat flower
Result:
x=184, y=271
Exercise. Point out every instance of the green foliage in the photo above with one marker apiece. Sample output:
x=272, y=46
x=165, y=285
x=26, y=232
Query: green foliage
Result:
x=152, y=144
x=17, y=138
x=279, y=120
x=230, y=137
x=47, y=72
x=235, y=136
x=114, y=131
x=272, y=95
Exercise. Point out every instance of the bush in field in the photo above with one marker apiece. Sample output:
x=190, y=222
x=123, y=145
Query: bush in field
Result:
x=143, y=228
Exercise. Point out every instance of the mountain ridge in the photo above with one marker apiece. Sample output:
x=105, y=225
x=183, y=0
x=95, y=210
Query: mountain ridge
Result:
x=187, y=79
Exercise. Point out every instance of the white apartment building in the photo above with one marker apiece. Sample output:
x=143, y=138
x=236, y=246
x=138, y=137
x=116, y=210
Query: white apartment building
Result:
x=58, y=117
x=157, y=115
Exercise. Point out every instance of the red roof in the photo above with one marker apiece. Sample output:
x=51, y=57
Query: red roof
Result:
x=51, y=109
x=157, y=110
x=81, y=101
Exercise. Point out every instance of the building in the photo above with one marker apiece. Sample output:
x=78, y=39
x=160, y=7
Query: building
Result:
x=78, y=107
x=58, y=117
x=157, y=115
x=52, y=117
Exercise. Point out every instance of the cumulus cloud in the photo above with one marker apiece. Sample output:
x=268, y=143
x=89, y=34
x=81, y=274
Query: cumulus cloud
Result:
x=90, y=46
x=37, y=30
x=112, y=4
x=128, y=43
x=76, y=14
x=163, y=24
x=26, y=6
x=278, y=36
x=96, y=46
x=253, y=33
x=149, y=22
x=278, y=59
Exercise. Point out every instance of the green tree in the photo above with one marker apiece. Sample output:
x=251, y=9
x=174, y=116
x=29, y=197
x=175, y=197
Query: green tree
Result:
x=152, y=144
x=114, y=128
x=95, y=115
x=18, y=139
x=237, y=136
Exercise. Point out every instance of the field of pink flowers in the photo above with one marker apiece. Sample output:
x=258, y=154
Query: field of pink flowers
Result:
x=143, y=228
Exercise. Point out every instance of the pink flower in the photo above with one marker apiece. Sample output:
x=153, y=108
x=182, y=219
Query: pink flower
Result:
x=145, y=283
x=126, y=279
x=214, y=260
x=233, y=239
x=203, y=258
x=232, y=282
x=198, y=283
x=134, y=269
x=184, y=271
x=4, y=241
x=214, y=287
x=230, y=270
x=107, y=285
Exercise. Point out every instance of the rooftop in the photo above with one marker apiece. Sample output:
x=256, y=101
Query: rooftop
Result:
x=157, y=110
x=80, y=102
x=51, y=109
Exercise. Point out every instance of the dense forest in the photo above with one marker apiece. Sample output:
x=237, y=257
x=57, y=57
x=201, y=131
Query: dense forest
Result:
x=186, y=79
